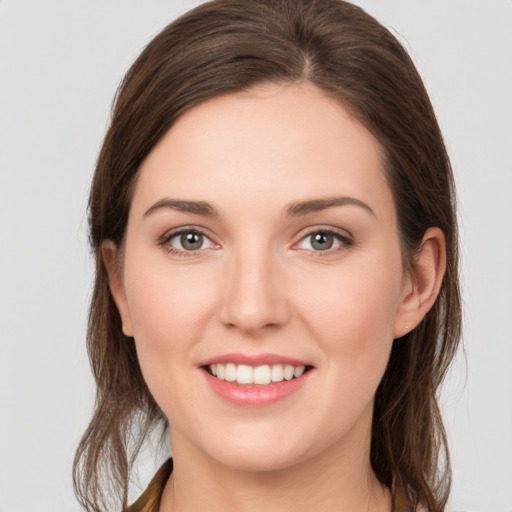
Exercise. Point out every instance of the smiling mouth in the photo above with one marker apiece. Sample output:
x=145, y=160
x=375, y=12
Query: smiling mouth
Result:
x=256, y=375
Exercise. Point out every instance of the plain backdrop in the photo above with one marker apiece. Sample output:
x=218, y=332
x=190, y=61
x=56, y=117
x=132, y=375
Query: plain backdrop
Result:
x=60, y=64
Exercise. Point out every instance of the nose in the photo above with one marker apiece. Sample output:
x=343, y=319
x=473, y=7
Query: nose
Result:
x=254, y=295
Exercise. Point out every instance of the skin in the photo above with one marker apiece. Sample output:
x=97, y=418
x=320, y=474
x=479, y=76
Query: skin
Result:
x=258, y=285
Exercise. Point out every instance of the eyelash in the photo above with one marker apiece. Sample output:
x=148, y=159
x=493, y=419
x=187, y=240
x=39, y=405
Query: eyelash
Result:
x=165, y=240
x=345, y=241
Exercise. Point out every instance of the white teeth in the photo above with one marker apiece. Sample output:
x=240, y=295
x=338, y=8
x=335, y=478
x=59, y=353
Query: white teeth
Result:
x=230, y=374
x=299, y=370
x=288, y=372
x=261, y=375
x=244, y=374
x=277, y=373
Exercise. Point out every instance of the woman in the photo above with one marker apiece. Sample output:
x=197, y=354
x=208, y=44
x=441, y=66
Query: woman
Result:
x=273, y=220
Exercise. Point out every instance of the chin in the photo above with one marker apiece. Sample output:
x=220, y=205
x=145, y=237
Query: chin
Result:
x=257, y=459
x=259, y=451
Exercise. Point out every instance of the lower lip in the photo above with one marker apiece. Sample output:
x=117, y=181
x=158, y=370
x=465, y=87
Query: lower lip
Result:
x=255, y=395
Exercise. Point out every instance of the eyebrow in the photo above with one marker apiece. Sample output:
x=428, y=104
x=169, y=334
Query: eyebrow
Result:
x=315, y=205
x=196, y=207
x=294, y=209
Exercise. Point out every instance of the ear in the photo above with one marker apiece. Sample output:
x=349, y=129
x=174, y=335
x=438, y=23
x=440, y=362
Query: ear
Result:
x=110, y=254
x=422, y=285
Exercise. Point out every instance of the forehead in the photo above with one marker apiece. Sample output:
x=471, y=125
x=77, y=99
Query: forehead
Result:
x=262, y=147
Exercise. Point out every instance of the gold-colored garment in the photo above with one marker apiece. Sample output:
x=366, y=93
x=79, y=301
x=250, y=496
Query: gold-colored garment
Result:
x=149, y=500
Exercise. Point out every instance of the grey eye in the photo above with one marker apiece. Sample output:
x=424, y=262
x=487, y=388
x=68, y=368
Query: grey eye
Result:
x=325, y=240
x=322, y=241
x=191, y=241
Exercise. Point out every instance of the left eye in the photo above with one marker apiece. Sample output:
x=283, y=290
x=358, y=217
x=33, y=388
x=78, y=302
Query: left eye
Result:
x=188, y=241
x=323, y=241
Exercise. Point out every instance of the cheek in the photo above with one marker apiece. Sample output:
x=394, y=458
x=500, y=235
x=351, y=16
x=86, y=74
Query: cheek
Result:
x=168, y=308
x=351, y=312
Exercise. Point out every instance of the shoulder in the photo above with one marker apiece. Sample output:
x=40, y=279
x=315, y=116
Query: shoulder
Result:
x=149, y=500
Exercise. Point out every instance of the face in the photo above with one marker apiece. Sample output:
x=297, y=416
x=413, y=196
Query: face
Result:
x=262, y=244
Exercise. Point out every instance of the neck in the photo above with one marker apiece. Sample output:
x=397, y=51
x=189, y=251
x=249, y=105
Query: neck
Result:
x=340, y=481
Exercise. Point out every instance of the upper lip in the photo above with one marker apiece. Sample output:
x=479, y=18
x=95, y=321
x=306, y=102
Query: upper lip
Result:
x=254, y=360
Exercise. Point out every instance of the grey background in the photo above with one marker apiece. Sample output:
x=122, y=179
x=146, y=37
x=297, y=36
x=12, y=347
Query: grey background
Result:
x=60, y=63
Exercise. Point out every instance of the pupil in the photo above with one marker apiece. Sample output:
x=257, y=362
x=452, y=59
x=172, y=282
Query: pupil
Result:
x=192, y=241
x=322, y=241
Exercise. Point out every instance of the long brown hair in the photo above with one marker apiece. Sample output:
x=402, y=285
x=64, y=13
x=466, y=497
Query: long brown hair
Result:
x=231, y=45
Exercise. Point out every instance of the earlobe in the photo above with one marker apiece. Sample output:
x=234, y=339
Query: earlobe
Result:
x=110, y=255
x=422, y=286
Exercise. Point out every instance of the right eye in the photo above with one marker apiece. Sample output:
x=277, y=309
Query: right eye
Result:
x=186, y=242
